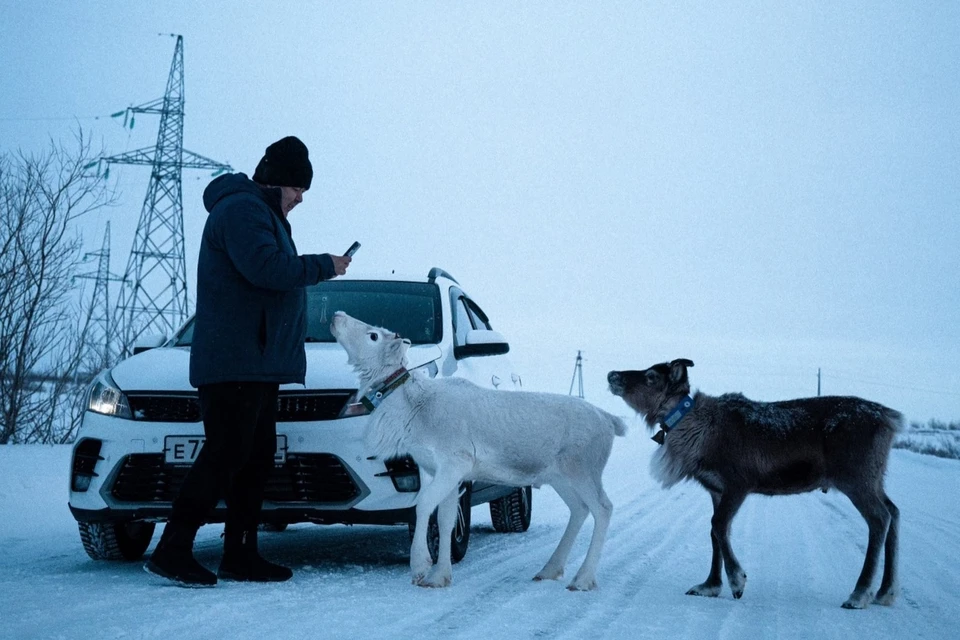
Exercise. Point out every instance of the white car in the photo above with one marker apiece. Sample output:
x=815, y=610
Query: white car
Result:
x=142, y=427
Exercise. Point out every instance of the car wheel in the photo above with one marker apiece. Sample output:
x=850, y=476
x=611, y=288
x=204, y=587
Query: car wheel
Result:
x=512, y=512
x=116, y=540
x=460, y=538
x=273, y=526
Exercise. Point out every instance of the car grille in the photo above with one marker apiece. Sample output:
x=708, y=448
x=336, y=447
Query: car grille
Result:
x=308, y=407
x=291, y=407
x=184, y=408
x=304, y=477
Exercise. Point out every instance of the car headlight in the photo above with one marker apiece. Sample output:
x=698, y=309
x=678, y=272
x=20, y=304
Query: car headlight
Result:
x=106, y=398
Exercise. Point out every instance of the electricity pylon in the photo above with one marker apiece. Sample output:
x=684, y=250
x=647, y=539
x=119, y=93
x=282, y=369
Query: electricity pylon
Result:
x=100, y=315
x=577, y=375
x=153, y=295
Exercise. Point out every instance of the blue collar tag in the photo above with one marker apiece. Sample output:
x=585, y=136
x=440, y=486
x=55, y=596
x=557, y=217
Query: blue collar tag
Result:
x=677, y=414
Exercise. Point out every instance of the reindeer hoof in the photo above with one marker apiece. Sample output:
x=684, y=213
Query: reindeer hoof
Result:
x=885, y=599
x=418, y=576
x=738, y=582
x=582, y=585
x=546, y=574
x=857, y=600
x=434, y=579
x=706, y=590
x=430, y=584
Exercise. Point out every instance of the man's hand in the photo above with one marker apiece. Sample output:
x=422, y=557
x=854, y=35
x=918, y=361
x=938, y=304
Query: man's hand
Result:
x=340, y=264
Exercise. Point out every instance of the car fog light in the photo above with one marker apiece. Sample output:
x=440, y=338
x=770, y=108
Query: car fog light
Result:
x=86, y=455
x=404, y=472
x=81, y=483
x=407, y=484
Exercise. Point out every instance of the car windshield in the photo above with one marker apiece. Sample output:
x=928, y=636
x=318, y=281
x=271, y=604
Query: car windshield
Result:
x=411, y=309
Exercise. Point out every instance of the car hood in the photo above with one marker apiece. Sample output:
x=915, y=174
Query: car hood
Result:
x=168, y=368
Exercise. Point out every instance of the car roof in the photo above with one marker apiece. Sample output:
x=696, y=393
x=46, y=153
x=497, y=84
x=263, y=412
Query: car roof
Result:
x=434, y=274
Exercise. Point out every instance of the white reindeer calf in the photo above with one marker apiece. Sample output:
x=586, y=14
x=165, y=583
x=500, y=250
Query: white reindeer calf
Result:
x=459, y=432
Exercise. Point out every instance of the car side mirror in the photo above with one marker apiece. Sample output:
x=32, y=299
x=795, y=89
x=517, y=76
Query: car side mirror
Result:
x=481, y=342
x=147, y=342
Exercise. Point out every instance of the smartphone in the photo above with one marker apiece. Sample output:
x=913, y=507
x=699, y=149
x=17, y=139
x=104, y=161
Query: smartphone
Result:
x=353, y=249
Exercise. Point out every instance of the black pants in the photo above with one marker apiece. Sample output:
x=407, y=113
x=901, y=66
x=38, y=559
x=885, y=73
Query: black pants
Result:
x=240, y=424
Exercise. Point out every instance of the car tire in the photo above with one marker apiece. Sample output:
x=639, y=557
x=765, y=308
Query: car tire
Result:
x=512, y=512
x=273, y=526
x=460, y=538
x=116, y=540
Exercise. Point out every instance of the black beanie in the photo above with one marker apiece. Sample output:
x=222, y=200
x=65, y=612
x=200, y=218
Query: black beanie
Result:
x=285, y=164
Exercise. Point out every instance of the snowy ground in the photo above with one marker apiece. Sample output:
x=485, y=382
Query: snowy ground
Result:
x=802, y=555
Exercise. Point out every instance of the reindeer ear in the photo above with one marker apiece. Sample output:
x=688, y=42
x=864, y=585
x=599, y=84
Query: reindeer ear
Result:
x=678, y=369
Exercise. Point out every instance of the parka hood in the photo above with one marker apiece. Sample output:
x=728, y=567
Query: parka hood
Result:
x=233, y=183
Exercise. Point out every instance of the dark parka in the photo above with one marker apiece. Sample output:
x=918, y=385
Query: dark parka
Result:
x=251, y=304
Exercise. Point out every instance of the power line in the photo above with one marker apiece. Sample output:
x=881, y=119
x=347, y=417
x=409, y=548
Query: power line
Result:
x=721, y=371
x=54, y=118
x=943, y=392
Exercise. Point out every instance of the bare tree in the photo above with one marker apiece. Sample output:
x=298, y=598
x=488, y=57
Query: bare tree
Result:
x=42, y=332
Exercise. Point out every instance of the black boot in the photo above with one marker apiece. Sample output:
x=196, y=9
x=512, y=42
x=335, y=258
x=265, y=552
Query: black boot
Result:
x=173, y=558
x=242, y=562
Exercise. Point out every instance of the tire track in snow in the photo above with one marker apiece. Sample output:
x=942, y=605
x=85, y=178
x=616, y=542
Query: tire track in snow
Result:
x=677, y=558
x=493, y=595
x=804, y=554
x=781, y=549
x=641, y=550
x=488, y=582
x=641, y=547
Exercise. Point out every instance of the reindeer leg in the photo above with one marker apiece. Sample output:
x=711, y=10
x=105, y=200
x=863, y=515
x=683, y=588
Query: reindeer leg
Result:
x=729, y=503
x=442, y=573
x=553, y=570
x=601, y=508
x=888, y=585
x=878, y=518
x=445, y=482
x=714, y=582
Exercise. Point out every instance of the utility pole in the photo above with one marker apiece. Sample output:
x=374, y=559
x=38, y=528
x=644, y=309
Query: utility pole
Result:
x=577, y=375
x=818, y=382
x=100, y=313
x=153, y=296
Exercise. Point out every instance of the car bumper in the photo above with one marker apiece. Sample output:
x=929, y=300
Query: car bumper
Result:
x=327, y=476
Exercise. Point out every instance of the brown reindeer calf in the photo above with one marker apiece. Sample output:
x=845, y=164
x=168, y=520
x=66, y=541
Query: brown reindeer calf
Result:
x=734, y=447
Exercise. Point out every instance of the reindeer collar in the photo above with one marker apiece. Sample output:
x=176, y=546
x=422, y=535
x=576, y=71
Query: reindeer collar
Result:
x=683, y=408
x=376, y=395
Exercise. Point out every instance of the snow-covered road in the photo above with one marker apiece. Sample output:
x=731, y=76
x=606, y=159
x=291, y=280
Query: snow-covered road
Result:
x=802, y=555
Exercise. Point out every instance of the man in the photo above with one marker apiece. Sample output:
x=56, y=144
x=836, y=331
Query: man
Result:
x=247, y=340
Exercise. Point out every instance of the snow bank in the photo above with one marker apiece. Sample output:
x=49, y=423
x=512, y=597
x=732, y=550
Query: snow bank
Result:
x=801, y=553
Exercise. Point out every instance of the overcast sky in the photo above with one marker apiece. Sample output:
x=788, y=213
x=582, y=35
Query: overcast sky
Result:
x=762, y=187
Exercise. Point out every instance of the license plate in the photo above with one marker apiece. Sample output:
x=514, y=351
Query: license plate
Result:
x=184, y=449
